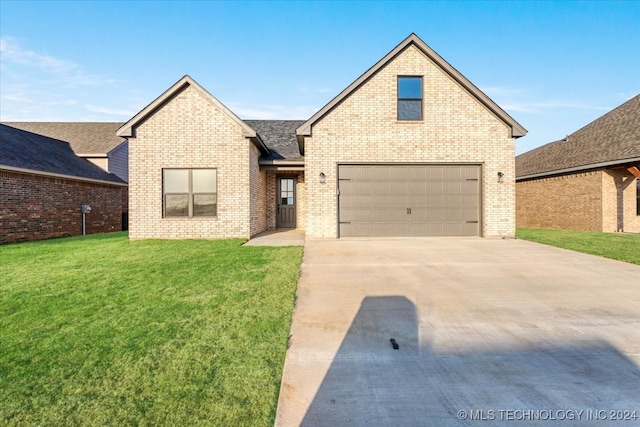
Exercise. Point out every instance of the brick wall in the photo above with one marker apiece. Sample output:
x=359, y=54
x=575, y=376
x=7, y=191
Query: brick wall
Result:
x=188, y=131
x=456, y=129
x=571, y=202
x=603, y=201
x=34, y=207
x=258, y=194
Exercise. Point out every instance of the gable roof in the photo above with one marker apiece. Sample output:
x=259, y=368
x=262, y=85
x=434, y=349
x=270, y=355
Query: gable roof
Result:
x=280, y=137
x=609, y=140
x=413, y=40
x=23, y=151
x=87, y=139
x=127, y=130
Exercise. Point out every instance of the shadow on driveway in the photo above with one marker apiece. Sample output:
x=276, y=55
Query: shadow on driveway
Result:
x=562, y=383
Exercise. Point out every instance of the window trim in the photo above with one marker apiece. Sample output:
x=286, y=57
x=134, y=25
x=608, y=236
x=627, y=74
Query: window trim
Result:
x=190, y=195
x=399, y=100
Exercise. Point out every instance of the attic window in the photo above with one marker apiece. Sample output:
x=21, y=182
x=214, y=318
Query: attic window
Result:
x=409, y=98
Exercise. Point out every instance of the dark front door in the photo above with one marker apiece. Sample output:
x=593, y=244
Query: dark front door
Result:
x=286, y=202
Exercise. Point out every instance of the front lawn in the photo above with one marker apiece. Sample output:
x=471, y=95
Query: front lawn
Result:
x=102, y=331
x=620, y=246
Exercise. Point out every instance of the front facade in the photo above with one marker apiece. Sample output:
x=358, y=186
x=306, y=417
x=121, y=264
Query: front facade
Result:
x=411, y=148
x=589, y=181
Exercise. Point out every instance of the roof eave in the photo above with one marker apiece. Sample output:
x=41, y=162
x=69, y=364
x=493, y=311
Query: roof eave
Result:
x=127, y=130
x=516, y=130
x=580, y=168
x=60, y=175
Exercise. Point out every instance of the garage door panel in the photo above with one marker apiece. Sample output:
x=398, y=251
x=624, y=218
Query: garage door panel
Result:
x=470, y=173
x=469, y=187
x=389, y=215
x=409, y=200
x=435, y=214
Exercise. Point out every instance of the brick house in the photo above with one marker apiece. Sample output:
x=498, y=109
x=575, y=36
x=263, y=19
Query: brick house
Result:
x=411, y=148
x=588, y=181
x=94, y=141
x=43, y=185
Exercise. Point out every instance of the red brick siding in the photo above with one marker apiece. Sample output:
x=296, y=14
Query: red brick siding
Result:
x=568, y=202
x=38, y=207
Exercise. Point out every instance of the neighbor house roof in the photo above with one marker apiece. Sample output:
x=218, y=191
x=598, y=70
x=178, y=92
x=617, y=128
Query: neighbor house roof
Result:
x=127, y=130
x=413, y=40
x=280, y=137
x=27, y=152
x=613, y=139
x=87, y=139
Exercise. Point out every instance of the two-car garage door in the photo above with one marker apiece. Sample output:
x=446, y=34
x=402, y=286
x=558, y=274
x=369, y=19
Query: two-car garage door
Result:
x=409, y=200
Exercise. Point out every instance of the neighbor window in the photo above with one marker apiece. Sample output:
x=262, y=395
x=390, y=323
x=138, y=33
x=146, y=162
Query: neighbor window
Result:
x=409, y=98
x=189, y=192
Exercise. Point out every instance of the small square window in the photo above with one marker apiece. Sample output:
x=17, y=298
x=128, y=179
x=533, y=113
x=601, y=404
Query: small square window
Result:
x=409, y=98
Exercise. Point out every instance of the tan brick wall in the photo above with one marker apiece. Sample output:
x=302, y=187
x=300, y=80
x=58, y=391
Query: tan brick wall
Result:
x=301, y=202
x=571, y=202
x=456, y=129
x=619, y=202
x=189, y=132
x=258, y=194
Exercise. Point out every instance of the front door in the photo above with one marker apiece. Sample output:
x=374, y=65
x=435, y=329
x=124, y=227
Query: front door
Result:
x=286, y=202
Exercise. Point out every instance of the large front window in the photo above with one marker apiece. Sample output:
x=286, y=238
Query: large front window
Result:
x=409, y=98
x=190, y=192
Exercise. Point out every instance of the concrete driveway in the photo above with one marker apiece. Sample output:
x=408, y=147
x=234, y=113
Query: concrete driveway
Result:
x=491, y=332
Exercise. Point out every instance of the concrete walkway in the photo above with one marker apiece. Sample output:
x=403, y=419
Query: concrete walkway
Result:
x=285, y=237
x=504, y=331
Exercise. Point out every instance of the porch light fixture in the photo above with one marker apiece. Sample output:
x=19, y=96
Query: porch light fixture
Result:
x=500, y=175
x=323, y=178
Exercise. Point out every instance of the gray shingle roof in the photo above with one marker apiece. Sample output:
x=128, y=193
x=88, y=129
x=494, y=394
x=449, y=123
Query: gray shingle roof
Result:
x=26, y=150
x=280, y=137
x=84, y=137
x=100, y=137
x=611, y=138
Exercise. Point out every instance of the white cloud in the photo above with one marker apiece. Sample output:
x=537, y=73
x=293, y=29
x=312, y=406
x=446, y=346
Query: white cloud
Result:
x=60, y=70
x=110, y=111
x=38, y=86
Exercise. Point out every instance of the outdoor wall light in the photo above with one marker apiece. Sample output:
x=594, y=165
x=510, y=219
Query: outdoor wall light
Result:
x=500, y=175
x=323, y=178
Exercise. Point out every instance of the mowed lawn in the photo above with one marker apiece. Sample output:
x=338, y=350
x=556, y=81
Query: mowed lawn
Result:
x=620, y=246
x=102, y=331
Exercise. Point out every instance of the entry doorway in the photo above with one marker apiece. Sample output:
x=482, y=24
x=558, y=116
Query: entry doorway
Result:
x=286, y=202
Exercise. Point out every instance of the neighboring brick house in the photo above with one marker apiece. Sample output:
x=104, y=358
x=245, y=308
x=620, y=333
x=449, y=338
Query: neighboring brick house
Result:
x=94, y=141
x=588, y=181
x=43, y=184
x=411, y=148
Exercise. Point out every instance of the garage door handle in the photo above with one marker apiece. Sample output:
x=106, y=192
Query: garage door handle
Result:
x=472, y=222
x=408, y=211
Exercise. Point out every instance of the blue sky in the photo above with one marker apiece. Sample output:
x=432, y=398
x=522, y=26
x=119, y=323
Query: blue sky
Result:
x=554, y=66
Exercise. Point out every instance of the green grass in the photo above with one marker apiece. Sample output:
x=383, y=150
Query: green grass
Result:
x=102, y=331
x=623, y=247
